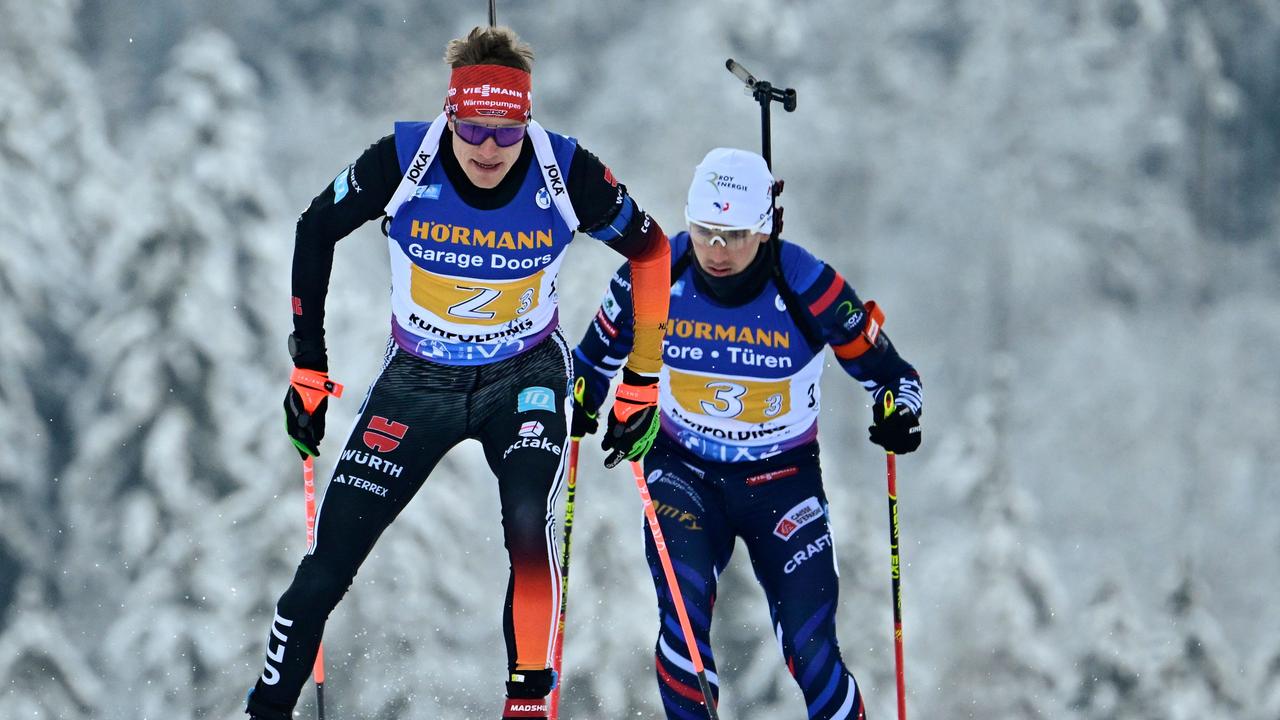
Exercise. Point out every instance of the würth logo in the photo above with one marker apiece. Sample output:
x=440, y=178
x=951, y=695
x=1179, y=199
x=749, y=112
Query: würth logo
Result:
x=380, y=433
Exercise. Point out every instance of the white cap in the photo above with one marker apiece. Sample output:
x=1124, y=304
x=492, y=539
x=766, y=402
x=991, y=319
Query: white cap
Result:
x=731, y=188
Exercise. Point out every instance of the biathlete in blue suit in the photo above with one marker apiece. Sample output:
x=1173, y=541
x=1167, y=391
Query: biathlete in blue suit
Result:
x=737, y=455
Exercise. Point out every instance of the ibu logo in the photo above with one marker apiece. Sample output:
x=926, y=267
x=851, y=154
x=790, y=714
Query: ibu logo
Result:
x=543, y=198
x=340, y=185
x=536, y=398
x=427, y=192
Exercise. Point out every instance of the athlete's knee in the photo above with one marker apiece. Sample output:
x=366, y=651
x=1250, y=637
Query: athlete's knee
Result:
x=316, y=585
x=531, y=683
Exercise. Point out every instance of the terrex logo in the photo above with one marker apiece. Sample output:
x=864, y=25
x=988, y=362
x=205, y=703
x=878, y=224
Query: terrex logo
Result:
x=531, y=429
x=380, y=433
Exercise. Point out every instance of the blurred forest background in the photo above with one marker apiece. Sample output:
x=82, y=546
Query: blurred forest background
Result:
x=1070, y=210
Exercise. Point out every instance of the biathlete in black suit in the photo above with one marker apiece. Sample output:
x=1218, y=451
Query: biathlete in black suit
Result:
x=480, y=205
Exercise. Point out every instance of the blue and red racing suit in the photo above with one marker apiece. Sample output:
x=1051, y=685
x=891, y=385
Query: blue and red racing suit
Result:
x=738, y=454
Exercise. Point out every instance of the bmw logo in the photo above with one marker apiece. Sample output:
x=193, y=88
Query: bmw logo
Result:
x=543, y=198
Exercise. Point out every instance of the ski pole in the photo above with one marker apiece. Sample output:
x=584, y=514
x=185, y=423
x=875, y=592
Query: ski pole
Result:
x=309, y=494
x=673, y=584
x=564, y=577
x=895, y=565
x=493, y=13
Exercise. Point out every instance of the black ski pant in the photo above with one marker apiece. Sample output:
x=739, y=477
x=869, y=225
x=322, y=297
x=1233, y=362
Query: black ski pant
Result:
x=414, y=413
x=777, y=506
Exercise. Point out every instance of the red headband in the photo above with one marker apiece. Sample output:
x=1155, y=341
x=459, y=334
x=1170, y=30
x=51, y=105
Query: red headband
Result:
x=489, y=91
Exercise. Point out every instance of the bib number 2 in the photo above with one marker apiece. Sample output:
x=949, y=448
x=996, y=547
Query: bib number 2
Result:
x=471, y=307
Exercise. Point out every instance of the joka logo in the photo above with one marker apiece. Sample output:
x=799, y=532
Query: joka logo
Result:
x=536, y=398
x=543, y=198
x=797, y=517
x=553, y=174
x=419, y=166
x=531, y=429
x=376, y=437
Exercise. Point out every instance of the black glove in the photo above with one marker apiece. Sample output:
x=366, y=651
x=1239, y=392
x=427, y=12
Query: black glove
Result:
x=584, y=422
x=304, y=407
x=897, y=426
x=633, y=421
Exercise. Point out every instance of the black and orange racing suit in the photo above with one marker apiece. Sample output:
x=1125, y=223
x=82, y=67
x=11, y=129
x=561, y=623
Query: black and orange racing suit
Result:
x=417, y=409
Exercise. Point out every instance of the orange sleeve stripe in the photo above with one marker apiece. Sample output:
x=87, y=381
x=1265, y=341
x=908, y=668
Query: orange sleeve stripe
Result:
x=828, y=296
x=858, y=346
x=651, y=297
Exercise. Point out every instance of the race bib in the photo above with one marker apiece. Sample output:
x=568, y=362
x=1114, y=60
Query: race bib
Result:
x=475, y=302
x=750, y=401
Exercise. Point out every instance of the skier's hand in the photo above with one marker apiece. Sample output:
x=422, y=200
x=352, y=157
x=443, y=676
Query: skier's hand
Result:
x=586, y=414
x=897, y=424
x=304, y=407
x=633, y=421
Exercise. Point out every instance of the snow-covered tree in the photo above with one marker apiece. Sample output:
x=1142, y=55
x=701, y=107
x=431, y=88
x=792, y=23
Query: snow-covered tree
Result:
x=1117, y=667
x=1005, y=659
x=1268, y=707
x=1197, y=669
x=58, y=200
x=181, y=444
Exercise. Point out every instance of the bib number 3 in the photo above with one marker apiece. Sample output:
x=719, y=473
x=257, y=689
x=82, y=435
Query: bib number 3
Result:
x=727, y=401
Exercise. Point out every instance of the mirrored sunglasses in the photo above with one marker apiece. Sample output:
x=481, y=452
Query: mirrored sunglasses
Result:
x=732, y=238
x=475, y=134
